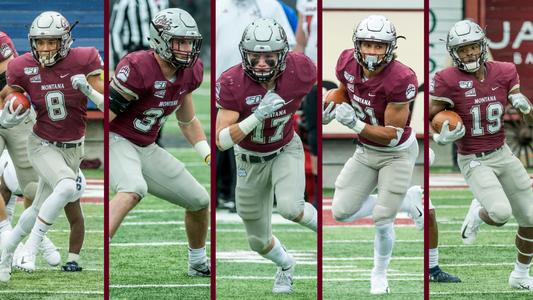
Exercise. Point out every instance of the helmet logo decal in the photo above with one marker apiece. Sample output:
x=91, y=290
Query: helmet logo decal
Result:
x=162, y=23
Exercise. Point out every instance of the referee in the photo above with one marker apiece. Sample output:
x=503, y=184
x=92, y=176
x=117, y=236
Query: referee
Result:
x=130, y=25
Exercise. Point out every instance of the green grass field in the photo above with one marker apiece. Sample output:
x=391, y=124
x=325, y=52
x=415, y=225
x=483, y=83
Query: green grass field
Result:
x=244, y=274
x=51, y=283
x=348, y=260
x=483, y=267
x=148, y=254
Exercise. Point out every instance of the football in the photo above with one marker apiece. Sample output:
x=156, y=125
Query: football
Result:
x=444, y=115
x=17, y=99
x=337, y=96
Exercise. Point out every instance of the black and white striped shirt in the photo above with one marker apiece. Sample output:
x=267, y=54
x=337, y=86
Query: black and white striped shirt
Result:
x=130, y=26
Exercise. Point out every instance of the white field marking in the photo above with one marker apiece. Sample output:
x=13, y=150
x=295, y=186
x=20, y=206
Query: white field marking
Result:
x=154, y=211
x=368, y=258
x=421, y=279
x=84, y=269
x=84, y=248
x=153, y=223
x=68, y=231
x=263, y=277
x=151, y=244
x=302, y=257
x=448, y=222
x=479, y=245
x=22, y=292
x=481, y=292
x=367, y=273
x=451, y=206
x=369, y=226
x=150, y=286
x=366, y=241
x=487, y=231
x=478, y=265
x=243, y=230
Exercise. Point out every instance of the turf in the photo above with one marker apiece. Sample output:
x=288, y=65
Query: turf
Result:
x=148, y=260
x=483, y=267
x=243, y=274
x=51, y=283
x=348, y=260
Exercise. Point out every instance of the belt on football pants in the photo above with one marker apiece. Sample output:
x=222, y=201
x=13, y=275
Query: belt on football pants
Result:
x=66, y=145
x=481, y=154
x=260, y=159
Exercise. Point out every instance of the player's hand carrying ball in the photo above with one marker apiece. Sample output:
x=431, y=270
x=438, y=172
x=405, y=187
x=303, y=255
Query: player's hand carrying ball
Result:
x=345, y=115
x=447, y=136
x=11, y=116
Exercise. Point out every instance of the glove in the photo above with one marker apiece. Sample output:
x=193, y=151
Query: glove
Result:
x=79, y=82
x=269, y=104
x=328, y=113
x=520, y=102
x=10, y=118
x=446, y=136
x=345, y=115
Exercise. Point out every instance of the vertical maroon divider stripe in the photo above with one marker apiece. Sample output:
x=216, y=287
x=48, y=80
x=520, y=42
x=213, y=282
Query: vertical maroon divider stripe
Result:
x=106, y=149
x=426, y=147
x=213, y=152
x=319, y=152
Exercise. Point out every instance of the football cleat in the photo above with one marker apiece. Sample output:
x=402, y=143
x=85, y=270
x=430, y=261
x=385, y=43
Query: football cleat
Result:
x=438, y=275
x=202, y=270
x=71, y=266
x=5, y=266
x=413, y=198
x=471, y=223
x=49, y=252
x=283, y=282
x=522, y=282
x=26, y=261
x=17, y=253
x=379, y=283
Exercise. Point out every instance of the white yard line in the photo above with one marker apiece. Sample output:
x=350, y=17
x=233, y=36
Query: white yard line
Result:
x=151, y=244
x=25, y=291
x=366, y=241
x=370, y=258
x=151, y=286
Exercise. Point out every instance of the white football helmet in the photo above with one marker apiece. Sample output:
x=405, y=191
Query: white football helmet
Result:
x=50, y=25
x=175, y=23
x=464, y=33
x=264, y=36
x=374, y=28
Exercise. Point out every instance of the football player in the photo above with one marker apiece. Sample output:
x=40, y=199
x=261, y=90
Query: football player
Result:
x=146, y=88
x=380, y=89
x=10, y=190
x=59, y=79
x=479, y=90
x=257, y=99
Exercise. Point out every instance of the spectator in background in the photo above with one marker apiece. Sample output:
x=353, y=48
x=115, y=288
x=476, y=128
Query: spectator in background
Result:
x=291, y=15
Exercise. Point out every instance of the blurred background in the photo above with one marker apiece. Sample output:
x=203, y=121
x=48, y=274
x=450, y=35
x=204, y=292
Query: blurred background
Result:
x=339, y=20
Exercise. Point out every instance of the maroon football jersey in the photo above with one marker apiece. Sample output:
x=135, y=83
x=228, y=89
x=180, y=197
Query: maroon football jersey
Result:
x=481, y=105
x=238, y=92
x=395, y=83
x=61, y=109
x=158, y=97
x=6, y=47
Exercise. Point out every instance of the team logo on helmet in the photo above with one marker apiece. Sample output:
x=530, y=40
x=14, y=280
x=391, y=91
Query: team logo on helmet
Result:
x=162, y=23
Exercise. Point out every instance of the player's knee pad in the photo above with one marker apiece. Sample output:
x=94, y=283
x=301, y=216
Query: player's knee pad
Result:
x=66, y=188
x=290, y=209
x=500, y=213
x=30, y=190
x=140, y=188
x=383, y=214
x=343, y=208
x=200, y=202
x=258, y=244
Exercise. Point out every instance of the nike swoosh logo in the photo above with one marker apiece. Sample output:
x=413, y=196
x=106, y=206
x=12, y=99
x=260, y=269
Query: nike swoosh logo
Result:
x=371, y=95
x=22, y=261
x=181, y=92
x=285, y=269
x=63, y=76
x=463, y=233
x=288, y=102
x=495, y=88
x=419, y=212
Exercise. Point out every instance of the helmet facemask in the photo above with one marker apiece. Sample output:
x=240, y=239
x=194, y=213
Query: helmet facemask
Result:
x=50, y=25
x=274, y=60
x=471, y=66
x=372, y=62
